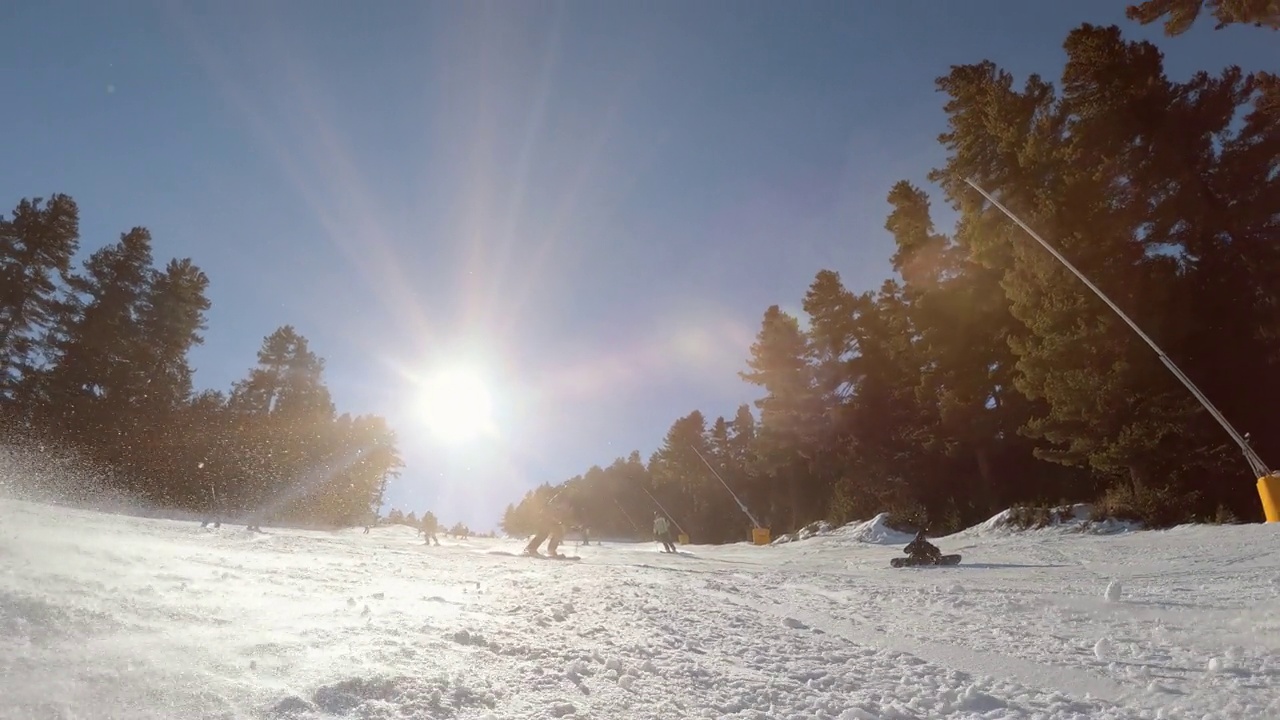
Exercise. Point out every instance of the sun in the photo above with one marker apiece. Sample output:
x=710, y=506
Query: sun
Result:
x=457, y=406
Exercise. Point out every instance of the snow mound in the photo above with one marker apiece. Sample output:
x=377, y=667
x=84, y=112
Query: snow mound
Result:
x=1078, y=518
x=875, y=531
x=813, y=529
x=1066, y=519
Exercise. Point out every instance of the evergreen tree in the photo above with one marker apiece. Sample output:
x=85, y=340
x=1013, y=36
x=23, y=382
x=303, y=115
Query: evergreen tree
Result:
x=95, y=362
x=1180, y=15
x=92, y=386
x=789, y=413
x=36, y=248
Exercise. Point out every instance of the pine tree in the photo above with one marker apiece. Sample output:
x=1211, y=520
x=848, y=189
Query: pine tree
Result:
x=680, y=479
x=92, y=386
x=36, y=248
x=1180, y=15
x=789, y=413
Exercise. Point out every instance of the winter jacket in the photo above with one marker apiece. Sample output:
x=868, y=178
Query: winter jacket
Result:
x=921, y=548
x=660, y=527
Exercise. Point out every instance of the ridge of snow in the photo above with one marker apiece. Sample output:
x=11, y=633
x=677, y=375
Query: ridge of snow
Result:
x=875, y=531
x=1076, y=518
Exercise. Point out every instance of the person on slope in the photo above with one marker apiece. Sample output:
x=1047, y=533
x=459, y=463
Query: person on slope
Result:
x=429, y=529
x=213, y=515
x=552, y=523
x=921, y=550
x=662, y=531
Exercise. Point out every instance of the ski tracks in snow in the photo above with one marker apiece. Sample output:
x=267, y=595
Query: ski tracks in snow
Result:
x=115, y=617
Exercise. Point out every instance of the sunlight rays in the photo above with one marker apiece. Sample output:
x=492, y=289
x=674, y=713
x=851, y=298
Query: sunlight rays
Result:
x=322, y=173
x=518, y=195
x=503, y=253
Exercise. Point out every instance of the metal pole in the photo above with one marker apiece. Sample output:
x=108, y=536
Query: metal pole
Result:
x=754, y=523
x=1258, y=467
x=626, y=515
x=664, y=511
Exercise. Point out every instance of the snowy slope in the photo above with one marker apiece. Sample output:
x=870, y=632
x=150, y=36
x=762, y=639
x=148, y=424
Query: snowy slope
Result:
x=107, y=616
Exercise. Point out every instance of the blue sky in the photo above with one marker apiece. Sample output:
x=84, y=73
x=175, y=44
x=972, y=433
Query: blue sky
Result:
x=592, y=203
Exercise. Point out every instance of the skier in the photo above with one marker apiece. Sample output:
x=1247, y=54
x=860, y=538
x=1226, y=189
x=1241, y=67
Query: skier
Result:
x=213, y=515
x=429, y=529
x=662, y=531
x=921, y=550
x=552, y=522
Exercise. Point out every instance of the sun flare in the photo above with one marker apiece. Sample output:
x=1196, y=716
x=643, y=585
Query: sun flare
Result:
x=457, y=405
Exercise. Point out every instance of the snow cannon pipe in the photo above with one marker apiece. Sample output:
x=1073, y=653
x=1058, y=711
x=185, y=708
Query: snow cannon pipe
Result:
x=626, y=515
x=1259, y=468
x=664, y=511
x=754, y=523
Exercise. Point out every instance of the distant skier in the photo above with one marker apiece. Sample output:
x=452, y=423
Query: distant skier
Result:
x=212, y=516
x=662, y=531
x=921, y=549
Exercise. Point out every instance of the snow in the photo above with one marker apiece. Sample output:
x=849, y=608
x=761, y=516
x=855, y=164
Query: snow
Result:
x=114, y=616
x=875, y=531
x=1076, y=518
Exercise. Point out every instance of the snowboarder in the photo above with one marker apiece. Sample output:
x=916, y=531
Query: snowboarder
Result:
x=662, y=531
x=553, y=523
x=921, y=549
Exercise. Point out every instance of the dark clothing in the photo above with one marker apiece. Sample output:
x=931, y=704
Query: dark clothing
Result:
x=554, y=530
x=552, y=521
x=922, y=549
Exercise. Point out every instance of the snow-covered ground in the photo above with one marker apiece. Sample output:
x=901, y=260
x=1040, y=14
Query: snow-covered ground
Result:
x=105, y=616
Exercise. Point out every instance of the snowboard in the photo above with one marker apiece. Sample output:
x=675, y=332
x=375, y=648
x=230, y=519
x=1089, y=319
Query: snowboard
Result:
x=540, y=556
x=900, y=562
x=535, y=556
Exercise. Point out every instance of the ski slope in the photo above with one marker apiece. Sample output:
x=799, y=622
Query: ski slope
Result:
x=108, y=616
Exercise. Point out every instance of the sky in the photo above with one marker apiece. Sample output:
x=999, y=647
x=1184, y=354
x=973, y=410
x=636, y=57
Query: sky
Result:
x=588, y=205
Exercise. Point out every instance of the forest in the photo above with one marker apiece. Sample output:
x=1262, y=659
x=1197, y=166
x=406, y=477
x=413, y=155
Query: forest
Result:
x=984, y=375
x=94, y=373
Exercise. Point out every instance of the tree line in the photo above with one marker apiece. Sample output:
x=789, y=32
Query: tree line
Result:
x=984, y=375
x=430, y=523
x=94, y=369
